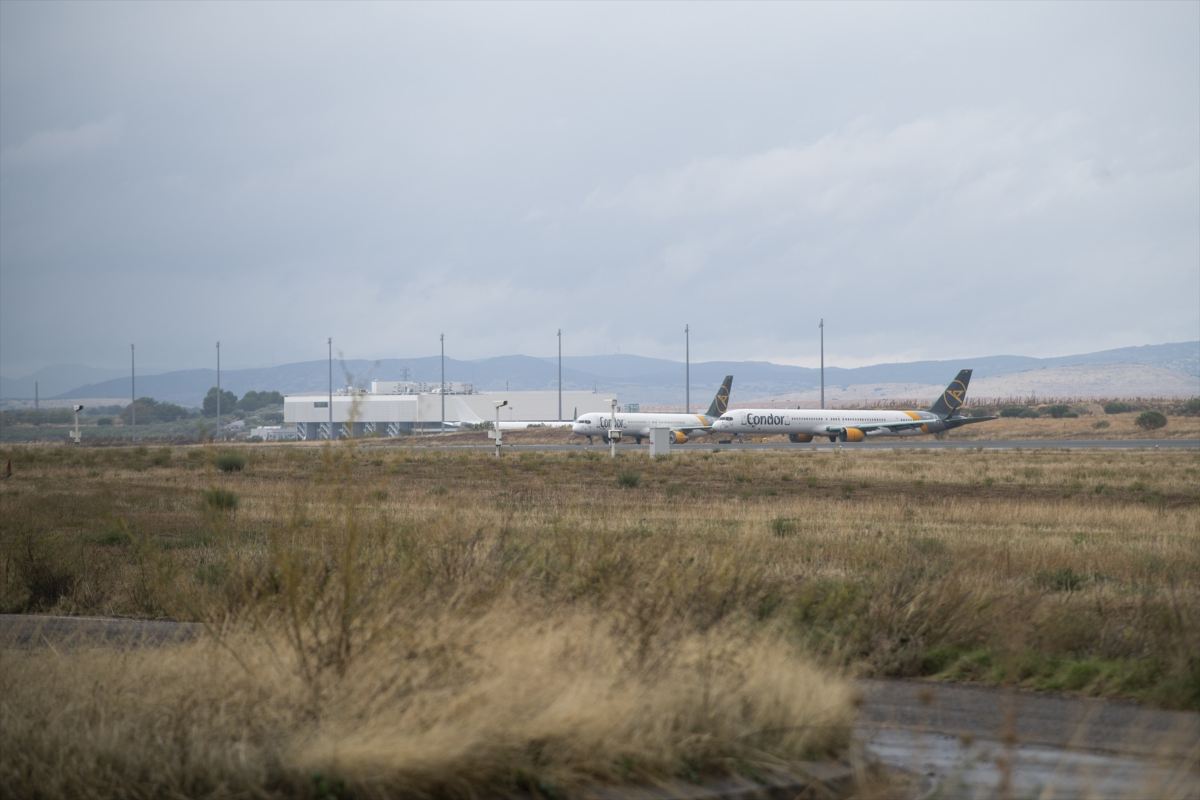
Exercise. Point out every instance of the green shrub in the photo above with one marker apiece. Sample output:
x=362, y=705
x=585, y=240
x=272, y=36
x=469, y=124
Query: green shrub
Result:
x=1117, y=407
x=1058, y=410
x=220, y=499
x=1063, y=579
x=1014, y=411
x=104, y=422
x=48, y=573
x=1191, y=408
x=783, y=526
x=1151, y=420
x=628, y=480
x=231, y=462
x=1102, y=424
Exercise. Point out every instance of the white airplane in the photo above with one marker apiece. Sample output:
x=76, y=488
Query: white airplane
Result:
x=639, y=425
x=801, y=425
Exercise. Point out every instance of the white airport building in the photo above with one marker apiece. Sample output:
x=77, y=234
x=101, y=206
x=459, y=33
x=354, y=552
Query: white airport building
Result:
x=390, y=408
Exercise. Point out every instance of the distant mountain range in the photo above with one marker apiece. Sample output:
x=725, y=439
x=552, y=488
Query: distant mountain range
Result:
x=1172, y=369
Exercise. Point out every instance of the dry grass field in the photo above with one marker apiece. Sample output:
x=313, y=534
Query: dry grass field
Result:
x=388, y=619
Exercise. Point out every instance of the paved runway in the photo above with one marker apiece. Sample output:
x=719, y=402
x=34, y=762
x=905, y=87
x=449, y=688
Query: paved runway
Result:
x=920, y=444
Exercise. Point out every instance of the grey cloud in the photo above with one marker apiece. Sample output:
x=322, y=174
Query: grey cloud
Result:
x=935, y=179
x=54, y=146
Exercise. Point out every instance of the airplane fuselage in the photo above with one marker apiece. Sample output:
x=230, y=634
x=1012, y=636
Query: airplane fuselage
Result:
x=819, y=422
x=638, y=425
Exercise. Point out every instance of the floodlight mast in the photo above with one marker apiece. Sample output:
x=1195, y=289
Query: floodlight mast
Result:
x=132, y=389
x=560, y=374
x=442, y=339
x=687, y=374
x=822, y=327
x=218, y=389
x=329, y=341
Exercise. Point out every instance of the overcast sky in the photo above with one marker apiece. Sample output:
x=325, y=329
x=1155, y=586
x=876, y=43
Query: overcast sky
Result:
x=940, y=180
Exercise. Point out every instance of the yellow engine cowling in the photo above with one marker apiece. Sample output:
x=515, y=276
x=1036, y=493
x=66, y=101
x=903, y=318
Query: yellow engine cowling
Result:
x=799, y=437
x=678, y=437
x=853, y=435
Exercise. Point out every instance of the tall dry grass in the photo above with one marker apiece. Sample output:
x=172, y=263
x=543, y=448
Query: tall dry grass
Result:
x=510, y=700
x=1053, y=569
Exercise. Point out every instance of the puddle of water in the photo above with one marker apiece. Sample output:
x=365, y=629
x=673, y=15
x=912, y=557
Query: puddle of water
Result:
x=988, y=769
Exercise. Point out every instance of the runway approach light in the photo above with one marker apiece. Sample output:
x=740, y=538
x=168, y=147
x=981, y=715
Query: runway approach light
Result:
x=495, y=433
x=75, y=435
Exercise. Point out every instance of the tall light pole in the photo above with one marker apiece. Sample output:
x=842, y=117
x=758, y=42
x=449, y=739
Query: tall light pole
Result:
x=560, y=374
x=442, y=339
x=132, y=389
x=687, y=371
x=218, y=388
x=822, y=327
x=330, y=343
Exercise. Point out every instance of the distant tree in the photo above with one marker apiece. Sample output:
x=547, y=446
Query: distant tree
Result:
x=1191, y=408
x=228, y=402
x=1059, y=410
x=104, y=421
x=253, y=401
x=1117, y=407
x=150, y=410
x=1150, y=420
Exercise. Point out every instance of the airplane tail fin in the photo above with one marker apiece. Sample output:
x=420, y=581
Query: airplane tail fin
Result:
x=953, y=398
x=720, y=402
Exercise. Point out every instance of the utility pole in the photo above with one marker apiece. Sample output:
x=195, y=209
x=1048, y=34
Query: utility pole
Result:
x=560, y=374
x=132, y=389
x=687, y=371
x=442, y=339
x=218, y=388
x=330, y=343
x=822, y=327
x=36, y=394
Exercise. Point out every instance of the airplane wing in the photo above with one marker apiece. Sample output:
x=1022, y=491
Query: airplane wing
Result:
x=702, y=424
x=868, y=427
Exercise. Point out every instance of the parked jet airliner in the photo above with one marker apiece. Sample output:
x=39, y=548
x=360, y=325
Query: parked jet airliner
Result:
x=801, y=425
x=638, y=425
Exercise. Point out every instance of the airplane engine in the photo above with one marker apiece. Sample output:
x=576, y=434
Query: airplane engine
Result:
x=799, y=437
x=852, y=435
x=678, y=437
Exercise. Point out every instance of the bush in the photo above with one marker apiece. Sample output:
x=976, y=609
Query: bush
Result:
x=783, y=526
x=104, y=422
x=628, y=480
x=1191, y=408
x=1013, y=411
x=231, y=462
x=1151, y=420
x=1059, y=410
x=220, y=499
x=1117, y=407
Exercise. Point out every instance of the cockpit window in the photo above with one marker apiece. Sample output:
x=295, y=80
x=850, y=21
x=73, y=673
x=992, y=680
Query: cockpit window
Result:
x=581, y=421
x=727, y=419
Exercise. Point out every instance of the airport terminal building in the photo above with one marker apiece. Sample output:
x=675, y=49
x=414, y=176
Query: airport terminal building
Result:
x=390, y=408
